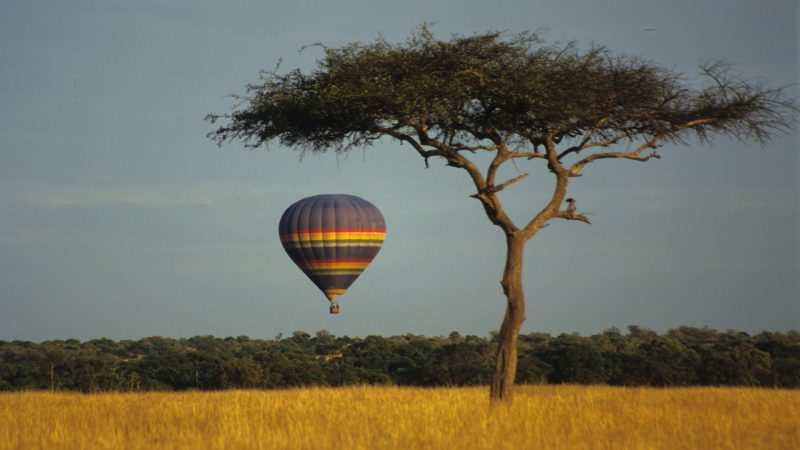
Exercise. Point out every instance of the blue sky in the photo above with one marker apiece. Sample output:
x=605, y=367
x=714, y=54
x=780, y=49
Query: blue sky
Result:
x=119, y=218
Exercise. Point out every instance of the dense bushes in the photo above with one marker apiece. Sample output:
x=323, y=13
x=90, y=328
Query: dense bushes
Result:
x=679, y=357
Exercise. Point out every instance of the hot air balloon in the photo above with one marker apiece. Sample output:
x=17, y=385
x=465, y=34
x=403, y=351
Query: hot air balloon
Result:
x=332, y=238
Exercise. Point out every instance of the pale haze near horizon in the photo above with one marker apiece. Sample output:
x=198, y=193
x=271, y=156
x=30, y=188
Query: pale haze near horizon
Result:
x=120, y=219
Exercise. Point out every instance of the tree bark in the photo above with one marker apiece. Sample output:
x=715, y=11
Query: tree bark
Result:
x=506, y=368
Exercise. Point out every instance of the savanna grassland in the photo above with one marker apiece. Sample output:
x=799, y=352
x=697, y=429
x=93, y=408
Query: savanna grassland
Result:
x=551, y=417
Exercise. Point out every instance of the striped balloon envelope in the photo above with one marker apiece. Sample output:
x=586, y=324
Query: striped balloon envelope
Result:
x=332, y=238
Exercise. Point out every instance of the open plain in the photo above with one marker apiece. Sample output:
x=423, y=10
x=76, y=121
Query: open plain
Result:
x=365, y=417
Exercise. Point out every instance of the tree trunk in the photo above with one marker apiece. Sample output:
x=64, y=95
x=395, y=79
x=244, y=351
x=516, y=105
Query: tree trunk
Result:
x=506, y=368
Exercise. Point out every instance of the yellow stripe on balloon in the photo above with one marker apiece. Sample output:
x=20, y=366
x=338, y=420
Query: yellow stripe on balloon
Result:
x=334, y=271
x=334, y=236
x=336, y=265
x=327, y=244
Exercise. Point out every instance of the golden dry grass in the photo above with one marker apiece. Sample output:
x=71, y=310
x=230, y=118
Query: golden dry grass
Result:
x=548, y=417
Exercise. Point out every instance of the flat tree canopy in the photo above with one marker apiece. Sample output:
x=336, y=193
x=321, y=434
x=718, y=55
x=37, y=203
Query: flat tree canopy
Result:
x=492, y=87
x=512, y=96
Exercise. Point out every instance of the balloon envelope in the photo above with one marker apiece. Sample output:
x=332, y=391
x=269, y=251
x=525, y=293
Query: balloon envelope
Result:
x=332, y=238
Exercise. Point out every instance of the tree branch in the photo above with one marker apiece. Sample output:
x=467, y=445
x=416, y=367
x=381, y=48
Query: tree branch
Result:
x=587, y=137
x=486, y=191
x=475, y=148
x=572, y=215
x=553, y=162
x=559, y=192
x=635, y=155
x=490, y=189
x=529, y=155
x=426, y=154
x=574, y=171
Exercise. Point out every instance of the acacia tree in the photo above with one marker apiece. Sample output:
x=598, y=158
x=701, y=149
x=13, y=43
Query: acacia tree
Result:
x=512, y=97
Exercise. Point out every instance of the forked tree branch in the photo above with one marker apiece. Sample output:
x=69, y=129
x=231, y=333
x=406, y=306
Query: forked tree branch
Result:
x=426, y=154
x=586, y=139
x=636, y=155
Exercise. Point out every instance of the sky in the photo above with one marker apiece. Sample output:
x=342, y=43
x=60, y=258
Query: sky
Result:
x=119, y=218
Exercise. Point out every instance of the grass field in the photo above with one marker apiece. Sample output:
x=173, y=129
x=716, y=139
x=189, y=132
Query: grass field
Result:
x=548, y=417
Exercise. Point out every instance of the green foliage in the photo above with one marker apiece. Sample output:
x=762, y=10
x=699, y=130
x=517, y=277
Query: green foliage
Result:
x=498, y=87
x=680, y=357
x=574, y=359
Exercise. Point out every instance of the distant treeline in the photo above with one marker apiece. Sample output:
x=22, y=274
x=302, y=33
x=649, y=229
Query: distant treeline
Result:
x=641, y=357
